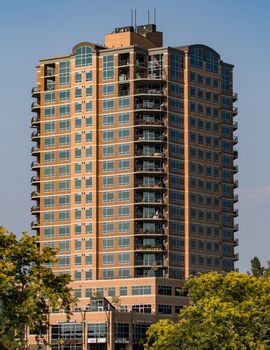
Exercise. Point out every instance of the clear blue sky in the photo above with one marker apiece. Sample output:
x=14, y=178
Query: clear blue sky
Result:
x=238, y=30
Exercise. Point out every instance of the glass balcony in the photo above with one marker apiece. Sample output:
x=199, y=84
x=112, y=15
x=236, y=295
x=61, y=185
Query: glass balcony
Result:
x=236, y=242
x=35, y=106
x=35, y=150
x=35, y=164
x=35, y=209
x=235, y=154
x=34, y=122
x=235, y=111
x=151, y=106
x=235, y=96
x=235, y=126
x=149, y=121
x=159, y=91
x=236, y=227
x=235, y=140
x=35, y=91
x=35, y=134
x=236, y=212
x=35, y=194
x=235, y=198
x=235, y=183
x=235, y=169
x=34, y=179
x=236, y=257
x=34, y=224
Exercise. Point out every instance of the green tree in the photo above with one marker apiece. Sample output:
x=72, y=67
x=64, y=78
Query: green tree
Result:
x=28, y=288
x=227, y=312
x=256, y=267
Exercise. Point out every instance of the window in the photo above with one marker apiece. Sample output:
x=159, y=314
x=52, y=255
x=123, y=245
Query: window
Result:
x=123, y=164
x=141, y=290
x=108, y=89
x=48, y=232
x=108, y=227
x=175, y=66
x=108, y=181
x=64, y=73
x=49, y=97
x=108, y=259
x=124, y=195
x=64, y=125
x=111, y=292
x=88, y=91
x=78, y=107
x=63, y=155
x=78, y=77
x=108, y=67
x=88, y=106
x=63, y=215
x=108, y=135
x=123, y=180
x=78, y=92
x=123, y=211
x=123, y=258
x=88, y=76
x=49, y=112
x=49, y=157
x=64, y=95
x=49, y=141
x=64, y=110
x=108, y=119
x=108, y=165
x=123, y=134
x=107, y=243
x=123, y=291
x=107, y=212
x=108, y=196
x=108, y=104
x=123, y=226
x=165, y=309
x=49, y=127
x=123, y=273
x=64, y=140
x=123, y=118
x=88, y=121
x=123, y=242
x=83, y=56
x=123, y=149
x=63, y=231
x=196, y=57
x=63, y=201
x=123, y=102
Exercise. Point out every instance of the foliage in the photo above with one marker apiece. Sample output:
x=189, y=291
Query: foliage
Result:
x=28, y=288
x=226, y=312
x=257, y=269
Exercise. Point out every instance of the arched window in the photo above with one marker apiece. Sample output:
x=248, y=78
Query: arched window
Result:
x=211, y=60
x=83, y=56
x=196, y=57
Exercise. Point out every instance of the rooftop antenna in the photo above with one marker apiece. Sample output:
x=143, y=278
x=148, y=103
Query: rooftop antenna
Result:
x=155, y=17
x=148, y=16
x=131, y=17
x=135, y=19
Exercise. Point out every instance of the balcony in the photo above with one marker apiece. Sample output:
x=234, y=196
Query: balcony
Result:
x=235, y=111
x=140, y=153
x=235, y=183
x=35, y=91
x=235, y=140
x=154, y=122
x=235, y=212
x=155, y=138
x=154, y=248
x=235, y=198
x=35, y=150
x=34, y=224
x=140, y=200
x=149, y=77
x=235, y=169
x=235, y=96
x=123, y=62
x=35, y=194
x=123, y=78
x=153, y=264
x=34, y=122
x=236, y=257
x=157, y=185
x=35, y=179
x=235, y=154
x=35, y=209
x=235, y=126
x=35, y=106
x=35, y=165
x=150, y=107
x=157, y=216
x=236, y=227
x=149, y=169
x=149, y=232
x=35, y=134
x=147, y=91
x=236, y=242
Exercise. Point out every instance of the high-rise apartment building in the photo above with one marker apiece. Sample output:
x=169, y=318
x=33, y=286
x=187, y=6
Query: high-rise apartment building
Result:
x=134, y=147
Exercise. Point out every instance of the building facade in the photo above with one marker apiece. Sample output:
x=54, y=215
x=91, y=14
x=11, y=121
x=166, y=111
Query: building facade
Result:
x=134, y=179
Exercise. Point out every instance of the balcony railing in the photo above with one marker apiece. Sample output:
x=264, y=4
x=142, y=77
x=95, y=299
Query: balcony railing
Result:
x=235, y=126
x=35, y=134
x=140, y=153
x=235, y=140
x=149, y=185
x=35, y=149
x=235, y=96
x=157, y=247
x=235, y=198
x=35, y=164
x=35, y=91
x=235, y=183
x=145, y=91
x=35, y=178
x=34, y=224
x=155, y=107
x=149, y=232
x=140, y=121
x=236, y=227
x=235, y=110
x=123, y=63
x=157, y=138
x=35, y=208
x=236, y=242
x=34, y=120
x=123, y=77
x=235, y=154
x=141, y=215
x=235, y=169
x=35, y=105
x=35, y=194
x=149, y=169
x=141, y=200
x=236, y=257
x=236, y=212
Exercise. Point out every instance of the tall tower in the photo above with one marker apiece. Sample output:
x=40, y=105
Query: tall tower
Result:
x=134, y=147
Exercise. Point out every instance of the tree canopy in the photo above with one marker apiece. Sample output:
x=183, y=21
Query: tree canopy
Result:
x=226, y=311
x=28, y=288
